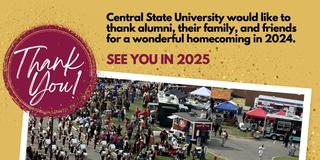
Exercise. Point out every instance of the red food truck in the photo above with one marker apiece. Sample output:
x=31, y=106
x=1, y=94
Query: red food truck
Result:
x=191, y=124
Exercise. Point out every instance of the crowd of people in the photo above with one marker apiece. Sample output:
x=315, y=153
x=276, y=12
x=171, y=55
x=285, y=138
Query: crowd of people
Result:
x=107, y=126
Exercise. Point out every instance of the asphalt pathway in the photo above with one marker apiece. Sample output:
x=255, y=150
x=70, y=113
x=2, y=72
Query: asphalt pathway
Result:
x=247, y=148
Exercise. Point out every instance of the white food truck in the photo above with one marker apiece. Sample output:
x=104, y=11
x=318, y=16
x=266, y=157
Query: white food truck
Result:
x=276, y=126
x=295, y=107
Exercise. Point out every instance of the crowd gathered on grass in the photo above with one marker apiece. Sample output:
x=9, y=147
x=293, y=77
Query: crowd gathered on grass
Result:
x=116, y=123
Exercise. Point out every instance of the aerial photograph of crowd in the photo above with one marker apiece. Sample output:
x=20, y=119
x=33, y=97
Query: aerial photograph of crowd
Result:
x=126, y=119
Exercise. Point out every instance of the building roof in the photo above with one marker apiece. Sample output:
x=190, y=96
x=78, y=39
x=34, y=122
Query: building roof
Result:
x=218, y=93
x=189, y=117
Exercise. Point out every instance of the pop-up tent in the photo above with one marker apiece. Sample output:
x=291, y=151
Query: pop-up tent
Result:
x=281, y=113
x=203, y=91
x=227, y=106
x=258, y=113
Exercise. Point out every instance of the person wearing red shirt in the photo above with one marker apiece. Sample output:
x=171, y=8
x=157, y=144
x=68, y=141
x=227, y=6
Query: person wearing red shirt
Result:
x=115, y=139
x=137, y=112
x=148, y=110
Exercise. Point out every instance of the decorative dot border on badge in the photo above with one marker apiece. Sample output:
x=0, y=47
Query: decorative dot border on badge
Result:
x=49, y=71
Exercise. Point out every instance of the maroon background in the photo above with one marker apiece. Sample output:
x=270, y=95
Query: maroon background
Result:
x=59, y=42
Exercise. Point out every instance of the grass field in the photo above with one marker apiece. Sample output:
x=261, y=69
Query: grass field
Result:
x=234, y=131
x=138, y=103
x=286, y=158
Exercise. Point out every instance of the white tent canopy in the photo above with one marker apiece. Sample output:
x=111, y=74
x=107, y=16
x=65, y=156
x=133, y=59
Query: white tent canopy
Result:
x=173, y=116
x=203, y=91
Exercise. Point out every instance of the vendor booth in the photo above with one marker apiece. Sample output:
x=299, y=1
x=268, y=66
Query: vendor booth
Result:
x=199, y=99
x=280, y=113
x=257, y=113
x=254, y=118
x=291, y=105
x=190, y=124
x=229, y=111
x=277, y=125
x=203, y=91
x=227, y=107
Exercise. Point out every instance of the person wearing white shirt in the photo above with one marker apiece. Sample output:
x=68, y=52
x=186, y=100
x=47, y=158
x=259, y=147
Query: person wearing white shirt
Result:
x=260, y=152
